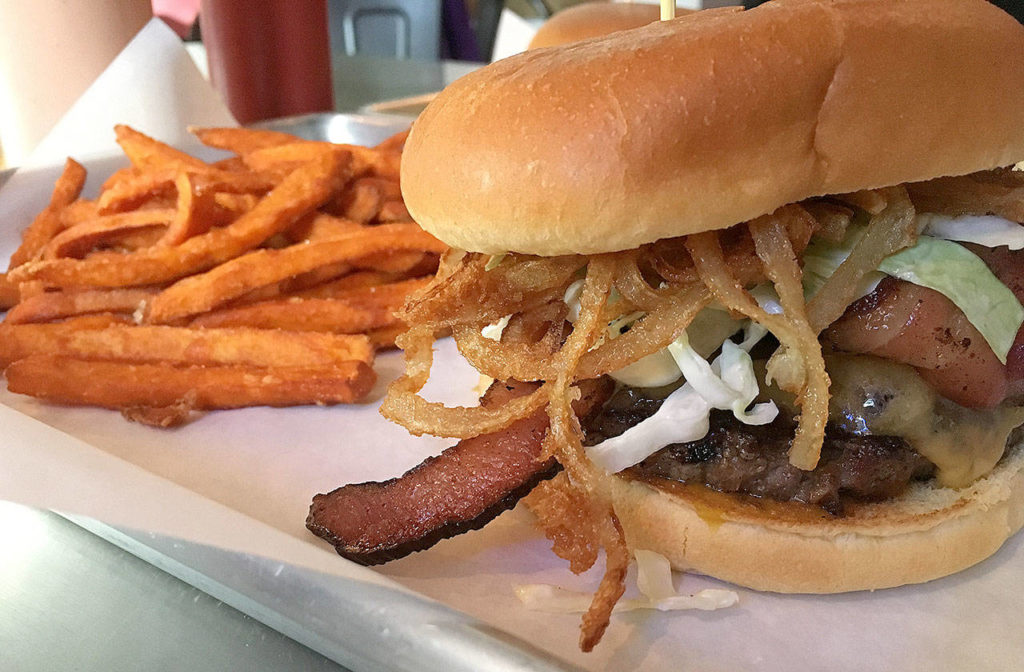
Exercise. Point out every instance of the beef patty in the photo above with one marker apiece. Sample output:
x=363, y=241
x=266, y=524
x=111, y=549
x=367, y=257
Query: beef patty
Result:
x=739, y=458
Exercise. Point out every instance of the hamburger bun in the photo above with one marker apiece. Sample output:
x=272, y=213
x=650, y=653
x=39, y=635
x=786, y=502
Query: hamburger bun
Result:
x=714, y=118
x=594, y=19
x=926, y=533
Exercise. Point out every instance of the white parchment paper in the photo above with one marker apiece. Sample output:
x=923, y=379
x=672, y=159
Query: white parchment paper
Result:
x=243, y=480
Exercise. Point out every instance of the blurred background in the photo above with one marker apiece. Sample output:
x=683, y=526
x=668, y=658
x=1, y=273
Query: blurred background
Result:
x=273, y=58
x=268, y=59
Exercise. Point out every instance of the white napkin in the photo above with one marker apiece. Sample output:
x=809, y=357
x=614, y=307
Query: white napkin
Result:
x=153, y=85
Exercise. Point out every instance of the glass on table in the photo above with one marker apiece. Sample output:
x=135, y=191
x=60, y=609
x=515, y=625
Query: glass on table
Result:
x=268, y=59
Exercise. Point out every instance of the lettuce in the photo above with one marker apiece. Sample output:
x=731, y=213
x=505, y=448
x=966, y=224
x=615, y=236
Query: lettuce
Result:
x=945, y=266
x=963, y=278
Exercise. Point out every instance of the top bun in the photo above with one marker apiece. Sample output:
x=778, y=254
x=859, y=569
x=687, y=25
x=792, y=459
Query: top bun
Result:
x=593, y=19
x=712, y=119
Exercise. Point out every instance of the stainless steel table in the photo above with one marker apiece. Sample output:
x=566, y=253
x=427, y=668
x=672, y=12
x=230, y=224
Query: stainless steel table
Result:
x=71, y=601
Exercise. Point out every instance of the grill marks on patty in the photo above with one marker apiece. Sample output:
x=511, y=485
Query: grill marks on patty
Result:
x=739, y=458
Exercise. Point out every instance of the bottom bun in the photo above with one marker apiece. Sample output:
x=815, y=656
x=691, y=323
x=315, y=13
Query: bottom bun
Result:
x=927, y=533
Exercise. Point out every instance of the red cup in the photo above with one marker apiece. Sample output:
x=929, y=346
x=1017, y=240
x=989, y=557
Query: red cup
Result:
x=270, y=58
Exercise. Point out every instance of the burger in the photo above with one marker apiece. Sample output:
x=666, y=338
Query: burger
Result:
x=749, y=284
x=594, y=19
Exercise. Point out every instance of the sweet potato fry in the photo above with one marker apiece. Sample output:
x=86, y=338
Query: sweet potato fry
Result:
x=97, y=320
x=81, y=238
x=396, y=143
x=158, y=183
x=322, y=227
x=118, y=385
x=322, y=315
x=134, y=189
x=174, y=415
x=232, y=164
x=389, y=189
x=303, y=190
x=9, y=293
x=118, y=176
x=413, y=262
x=383, y=338
x=142, y=344
x=222, y=181
x=241, y=140
x=78, y=212
x=146, y=152
x=362, y=201
x=135, y=240
x=48, y=223
x=285, y=156
x=291, y=286
x=392, y=294
x=333, y=289
x=195, y=212
x=27, y=290
x=393, y=211
x=55, y=305
x=235, y=203
x=286, y=299
x=234, y=278
x=369, y=161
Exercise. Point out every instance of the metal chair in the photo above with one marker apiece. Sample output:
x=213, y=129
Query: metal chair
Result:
x=403, y=29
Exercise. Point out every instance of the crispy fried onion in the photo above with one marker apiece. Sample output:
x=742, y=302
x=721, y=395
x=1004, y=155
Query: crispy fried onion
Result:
x=515, y=358
x=797, y=366
x=404, y=406
x=469, y=293
x=536, y=345
x=522, y=301
x=564, y=441
x=888, y=231
x=997, y=192
x=670, y=260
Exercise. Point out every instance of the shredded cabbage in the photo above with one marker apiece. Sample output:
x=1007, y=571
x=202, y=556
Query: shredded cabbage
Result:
x=495, y=261
x=654, y=370
x=572, y=299
x=728, y=383
x=683, y=416
x=987, y=230
x=653, y=578
x=710, y=327
x=494, y=331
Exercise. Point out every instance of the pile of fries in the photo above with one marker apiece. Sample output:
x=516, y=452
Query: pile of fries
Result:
x=267, y=278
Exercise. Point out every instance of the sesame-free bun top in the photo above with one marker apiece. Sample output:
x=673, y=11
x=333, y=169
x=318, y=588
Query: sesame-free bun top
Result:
x=712, y=119
x=594, y=19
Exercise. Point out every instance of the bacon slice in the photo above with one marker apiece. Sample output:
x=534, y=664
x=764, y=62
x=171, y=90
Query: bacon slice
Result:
x=462, y=489
x=1008, y=266
x=914, y=325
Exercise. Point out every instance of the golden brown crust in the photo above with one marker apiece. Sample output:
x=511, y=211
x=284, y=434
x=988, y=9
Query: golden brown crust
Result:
x=594, y=19
x=928, y=533
x=714, y=118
